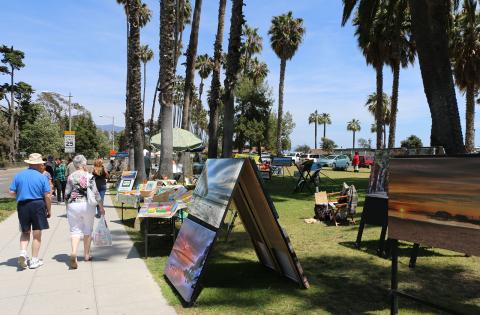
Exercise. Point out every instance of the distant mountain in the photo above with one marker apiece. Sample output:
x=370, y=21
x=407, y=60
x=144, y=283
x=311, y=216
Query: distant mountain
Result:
x=109, y=128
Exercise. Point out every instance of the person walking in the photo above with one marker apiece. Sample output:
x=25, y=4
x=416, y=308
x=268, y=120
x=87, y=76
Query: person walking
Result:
x=44, y=172
x=80, y=213
x=100, y=174
x=70, y=167
x=148, y=163
x=32, y=192
x=60, y=179
x=356, y=162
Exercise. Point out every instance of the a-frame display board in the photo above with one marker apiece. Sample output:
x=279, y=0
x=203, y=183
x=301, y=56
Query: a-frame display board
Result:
x=226, y=183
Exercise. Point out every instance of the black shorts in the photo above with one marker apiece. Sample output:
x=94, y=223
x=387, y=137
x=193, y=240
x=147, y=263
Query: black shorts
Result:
x=32, y=215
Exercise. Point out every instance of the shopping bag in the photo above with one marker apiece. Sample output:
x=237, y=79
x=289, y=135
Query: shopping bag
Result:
x=102, y=236
x=91, y=200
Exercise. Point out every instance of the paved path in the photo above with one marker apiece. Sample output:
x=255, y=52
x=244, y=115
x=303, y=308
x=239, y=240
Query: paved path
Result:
x=116, y=282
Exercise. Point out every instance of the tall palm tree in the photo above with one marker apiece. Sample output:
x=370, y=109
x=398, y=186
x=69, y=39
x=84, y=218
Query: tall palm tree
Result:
x=146, y=55
x=325, y=120
x=370, y=33
x=286, y=34
x=190, y=67
x=385, y=111
x=430, y=25
x=167, y=77
x=214, y=100
x=233, y=66
x=400, y=51
x=353, y=126
x=314, y=119
x=466, y=62
x=253, y=44
x=258, y=71
x=134, y=87
x=204, y=65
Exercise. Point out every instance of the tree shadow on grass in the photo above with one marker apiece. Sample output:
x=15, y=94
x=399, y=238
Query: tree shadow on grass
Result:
x=339, y=285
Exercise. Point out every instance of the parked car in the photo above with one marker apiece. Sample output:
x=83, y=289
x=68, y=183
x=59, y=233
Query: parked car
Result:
x=266, y=158
x=295, y=156
x=366, y=161
x=335, y=161
x=314, y=157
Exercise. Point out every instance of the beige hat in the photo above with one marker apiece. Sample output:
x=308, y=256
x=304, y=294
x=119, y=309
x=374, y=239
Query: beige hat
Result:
x=34, y=158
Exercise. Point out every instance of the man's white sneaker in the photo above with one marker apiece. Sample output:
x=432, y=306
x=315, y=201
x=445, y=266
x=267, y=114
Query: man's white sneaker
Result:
x=23, y=262
x=35, y=263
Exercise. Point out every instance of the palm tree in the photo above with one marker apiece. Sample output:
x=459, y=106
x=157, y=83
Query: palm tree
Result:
x=253, y=44
x=146, y=54
x=134, y=87
x=354, y=126
x=167, y=77
x=258, y=71
x=385, y=111
x=430, y=24
x=233, y=65
x=370, y=33
x=190, y=68
x=314, y=119
x=325, y=120
x=214, y=100
x=204, y=65
x=286, y=34
x=401, y=52
x=466, y=62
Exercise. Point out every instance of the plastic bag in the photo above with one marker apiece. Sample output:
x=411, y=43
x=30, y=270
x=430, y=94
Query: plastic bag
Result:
x=102, y=236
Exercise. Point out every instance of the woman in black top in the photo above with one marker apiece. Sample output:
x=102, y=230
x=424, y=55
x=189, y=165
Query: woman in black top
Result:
x=100, y=175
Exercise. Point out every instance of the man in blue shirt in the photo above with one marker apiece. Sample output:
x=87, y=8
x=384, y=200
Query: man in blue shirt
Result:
x=32, y=191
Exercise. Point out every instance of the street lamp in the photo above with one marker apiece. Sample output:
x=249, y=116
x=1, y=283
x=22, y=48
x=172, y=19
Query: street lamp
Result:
x=113, y=129
x=69, y=107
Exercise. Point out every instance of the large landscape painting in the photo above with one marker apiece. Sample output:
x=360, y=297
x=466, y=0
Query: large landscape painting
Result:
x=441, y=197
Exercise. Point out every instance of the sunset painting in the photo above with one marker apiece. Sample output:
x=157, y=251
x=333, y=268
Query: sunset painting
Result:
x=441, y=192
x=186, y=261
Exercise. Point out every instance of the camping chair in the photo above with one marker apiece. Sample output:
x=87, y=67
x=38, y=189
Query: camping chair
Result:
x=345, y=205
x=304, y=175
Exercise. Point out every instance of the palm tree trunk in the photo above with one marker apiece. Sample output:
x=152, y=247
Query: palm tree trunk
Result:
x=324, y=130
x=394, y=104
x=470, y=119
x=353, y=143
x=215, y=100
x=315, y=130
x=167, y=79
x=190, y=69
x=283, y=65
x=151, y=128
x=144, y=85
x=430, y=31
x=379, y=107
x=134, y=90
x=233, y=61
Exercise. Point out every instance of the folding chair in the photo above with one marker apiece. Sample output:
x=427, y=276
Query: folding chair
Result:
x=304, y=175
x=346, y=205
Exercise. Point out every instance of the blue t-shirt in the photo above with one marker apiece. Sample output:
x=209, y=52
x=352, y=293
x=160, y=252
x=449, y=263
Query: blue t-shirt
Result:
x=30, y=184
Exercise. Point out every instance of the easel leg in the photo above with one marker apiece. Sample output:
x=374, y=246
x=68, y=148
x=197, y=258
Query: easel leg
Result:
x=360, y=232
x=381, y=241
x=122, y=211
x=413, y=257
x=173, y=229
x=394, y=278
x=230, y=225
x=146, y=236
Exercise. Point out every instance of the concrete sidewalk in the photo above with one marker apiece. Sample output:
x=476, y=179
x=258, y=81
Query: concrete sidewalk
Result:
x=116, y=282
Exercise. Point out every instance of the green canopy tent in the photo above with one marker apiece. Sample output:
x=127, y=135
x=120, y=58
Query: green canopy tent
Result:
x=183, y=140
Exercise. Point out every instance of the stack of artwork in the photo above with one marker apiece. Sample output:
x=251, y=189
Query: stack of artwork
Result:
x=226, y=183
x=435, y=201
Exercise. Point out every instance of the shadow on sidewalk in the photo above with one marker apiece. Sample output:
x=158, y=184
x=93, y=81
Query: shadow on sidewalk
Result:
x=12, y=262
x=62, y=258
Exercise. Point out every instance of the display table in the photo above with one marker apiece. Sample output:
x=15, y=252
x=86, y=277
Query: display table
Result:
x=131, y=198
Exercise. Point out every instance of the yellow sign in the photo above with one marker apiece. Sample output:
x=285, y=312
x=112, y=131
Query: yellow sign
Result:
x=66, y=132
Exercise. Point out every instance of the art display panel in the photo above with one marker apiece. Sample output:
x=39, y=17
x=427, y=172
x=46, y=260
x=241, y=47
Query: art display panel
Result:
x=186, y=261
x=436, y=201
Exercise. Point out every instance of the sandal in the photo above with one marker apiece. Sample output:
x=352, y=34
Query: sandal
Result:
x=73, y=262
x=90, y=258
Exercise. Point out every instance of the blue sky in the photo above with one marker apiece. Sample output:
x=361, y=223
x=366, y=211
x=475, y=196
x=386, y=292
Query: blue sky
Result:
x=80, y=47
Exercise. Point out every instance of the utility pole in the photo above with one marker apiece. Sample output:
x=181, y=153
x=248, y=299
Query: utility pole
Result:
x=69, y=111
x=113, y=133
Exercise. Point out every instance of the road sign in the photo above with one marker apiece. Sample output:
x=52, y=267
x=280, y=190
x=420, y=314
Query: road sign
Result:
x=69, y=137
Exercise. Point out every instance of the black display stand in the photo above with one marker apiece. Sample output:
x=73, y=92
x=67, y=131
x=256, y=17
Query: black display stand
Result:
x=395, y=293
x=375, y=212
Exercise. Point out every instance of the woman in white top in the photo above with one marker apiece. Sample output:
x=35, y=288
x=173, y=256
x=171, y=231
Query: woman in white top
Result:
x=79, y=213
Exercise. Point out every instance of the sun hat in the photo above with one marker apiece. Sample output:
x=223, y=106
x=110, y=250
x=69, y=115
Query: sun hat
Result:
x=34, y=158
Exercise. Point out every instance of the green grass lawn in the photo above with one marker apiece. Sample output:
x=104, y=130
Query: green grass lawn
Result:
x=343, y=280
x=7, y=207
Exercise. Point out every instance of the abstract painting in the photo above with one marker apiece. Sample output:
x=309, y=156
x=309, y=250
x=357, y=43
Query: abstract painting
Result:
x=436, y=202
x=186, y=261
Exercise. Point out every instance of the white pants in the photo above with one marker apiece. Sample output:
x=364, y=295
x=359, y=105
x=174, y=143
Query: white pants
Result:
x=80, y=218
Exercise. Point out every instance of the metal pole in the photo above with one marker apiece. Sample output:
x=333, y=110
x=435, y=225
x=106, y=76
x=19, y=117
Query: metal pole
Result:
x=69, y=111
x=113, y=133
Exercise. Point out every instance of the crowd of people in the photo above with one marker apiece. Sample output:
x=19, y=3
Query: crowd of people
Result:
x=81, y=189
